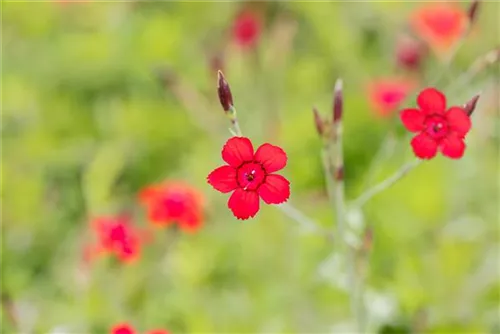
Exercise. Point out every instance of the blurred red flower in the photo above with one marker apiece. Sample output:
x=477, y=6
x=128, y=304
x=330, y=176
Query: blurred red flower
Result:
x=125, y=328
x=122, y=328
x=250, y=176
x=117, y=236
x=246, y=29
x=174, y=202
x=441, y=25
x=437, y=127
x=410, y=53
x=386, y=94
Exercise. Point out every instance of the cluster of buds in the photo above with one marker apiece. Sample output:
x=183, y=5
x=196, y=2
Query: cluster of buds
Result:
x=324, y=126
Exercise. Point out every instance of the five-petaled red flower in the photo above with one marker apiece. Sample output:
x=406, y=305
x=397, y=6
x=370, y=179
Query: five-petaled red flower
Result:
x=250, y=176
x=125, y=328
x=437, y=127
x=386, y=94
x=246, y=29
x=441, y=25
x=117, y=236
x=174, y=202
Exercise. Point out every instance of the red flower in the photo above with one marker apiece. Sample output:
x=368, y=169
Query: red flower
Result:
x=440, y=24
x=122, y=328
x=246, y=29
x=158, y=331
x=250, y=176
x=438, y=127
x=174, y=202
x=387, y=94
x=117, y=236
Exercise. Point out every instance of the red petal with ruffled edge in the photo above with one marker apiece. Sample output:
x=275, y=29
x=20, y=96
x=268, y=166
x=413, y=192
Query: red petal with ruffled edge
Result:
x=244, y=204
x=272, y=158
x=458, y=121
x=424, y=146
x=453, y=146
x=237, y=150
x=431, y=101
x=275, y=190
x=223, y=179
x=413, y=119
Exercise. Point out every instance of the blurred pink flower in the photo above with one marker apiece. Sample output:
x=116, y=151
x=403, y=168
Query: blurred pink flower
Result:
x=386, y=94
x=246, y=29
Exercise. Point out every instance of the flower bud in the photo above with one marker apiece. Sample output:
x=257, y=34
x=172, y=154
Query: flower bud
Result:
x=470, y=106
x=338, y=102
x=472, y=11
x=224, y=92
x=410, y=53
x=318, y=121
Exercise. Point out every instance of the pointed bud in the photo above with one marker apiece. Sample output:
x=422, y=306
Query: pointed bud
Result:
x=471, y=105
x=225, y=96
x=472, y=12
x=318, y=121
x=338, y=102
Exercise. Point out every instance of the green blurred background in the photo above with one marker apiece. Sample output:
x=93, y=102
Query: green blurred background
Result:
x=102, y=99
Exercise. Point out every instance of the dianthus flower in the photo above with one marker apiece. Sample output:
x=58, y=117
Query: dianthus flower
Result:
x=437, y=127
x=250, y=176
x=174, y=202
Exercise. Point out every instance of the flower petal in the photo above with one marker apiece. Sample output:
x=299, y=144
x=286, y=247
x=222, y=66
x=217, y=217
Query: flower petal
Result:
x=453, y=146
x=237, y=150
x=275, y=190
x=223, y=179
x=244, y=204
x=413, y=119
x=272, y=158
x=431, y=101
x=458, y=121
x=424, y=146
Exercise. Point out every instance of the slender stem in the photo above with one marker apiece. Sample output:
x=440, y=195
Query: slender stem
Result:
x=297, y=215
x=391, y=180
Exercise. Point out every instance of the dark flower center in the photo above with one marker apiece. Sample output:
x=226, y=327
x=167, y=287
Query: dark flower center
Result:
x=436, y=126
x=250, y=175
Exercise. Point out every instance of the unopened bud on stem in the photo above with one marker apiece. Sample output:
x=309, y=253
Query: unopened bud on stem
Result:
x=224, y=92
x=318, y=121
x=472, y=11
x=338, y=102
x=470, y=106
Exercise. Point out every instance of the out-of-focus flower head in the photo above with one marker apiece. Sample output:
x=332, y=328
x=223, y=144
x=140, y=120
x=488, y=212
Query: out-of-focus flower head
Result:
x=386, y=94
x=410, y=53
x=115, y=235
x=440, y=25
x=174, y=202
x=247, y=28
